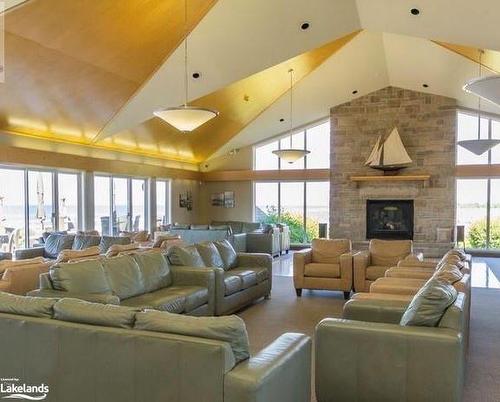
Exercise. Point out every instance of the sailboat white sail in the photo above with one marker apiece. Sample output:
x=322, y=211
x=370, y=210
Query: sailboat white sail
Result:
x=390, y=155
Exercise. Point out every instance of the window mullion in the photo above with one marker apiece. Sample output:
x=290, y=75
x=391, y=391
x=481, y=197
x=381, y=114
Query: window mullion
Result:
x=26, y=210
x=55, y=201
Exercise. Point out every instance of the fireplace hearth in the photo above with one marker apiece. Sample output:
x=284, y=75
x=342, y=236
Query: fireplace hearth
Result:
x=389, y=219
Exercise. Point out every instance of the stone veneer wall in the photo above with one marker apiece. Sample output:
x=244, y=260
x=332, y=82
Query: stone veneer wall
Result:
x=427, y=125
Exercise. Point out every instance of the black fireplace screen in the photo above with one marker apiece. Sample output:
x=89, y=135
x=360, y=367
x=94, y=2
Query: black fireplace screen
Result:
x=389, y=219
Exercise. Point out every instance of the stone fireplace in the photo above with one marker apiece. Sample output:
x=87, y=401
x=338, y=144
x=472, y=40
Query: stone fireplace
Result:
x=426, y=124
x=389, y=219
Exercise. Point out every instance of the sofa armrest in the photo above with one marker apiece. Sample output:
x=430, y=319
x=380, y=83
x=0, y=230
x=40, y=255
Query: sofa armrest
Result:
x=361, y=261
x=373, y=360
x=387, y=311
x=4, y=285
x=239, y=242
x=279, y=373
x=300, y=259
x=263, y=242
x=26, y=253
x=346, y=265
x=90, y=297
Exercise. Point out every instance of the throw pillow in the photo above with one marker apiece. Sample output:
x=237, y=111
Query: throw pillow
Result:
x=228, y=254
x=186, y=256
x=210, y=255
x=230, y=329
x=429, y=304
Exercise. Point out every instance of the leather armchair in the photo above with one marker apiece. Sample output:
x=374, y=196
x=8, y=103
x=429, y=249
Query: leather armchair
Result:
x=381, y=255
x=268, y=243
x=327, y=265
x=20, y=277
x=366, y=356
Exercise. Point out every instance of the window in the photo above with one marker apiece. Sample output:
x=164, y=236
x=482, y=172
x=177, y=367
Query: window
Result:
x=303, y=206
x=138, y=204
x=315, y=138
x=68, y=185
x=162, y=203
x=40, y=205
x=12, y=210
x=102, y=204
x=472, y=205
x=121, y=216
x=467, y=130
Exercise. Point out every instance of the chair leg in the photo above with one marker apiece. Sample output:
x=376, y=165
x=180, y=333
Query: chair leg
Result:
x=299, y=292
x=268, y=296
x=347, y=295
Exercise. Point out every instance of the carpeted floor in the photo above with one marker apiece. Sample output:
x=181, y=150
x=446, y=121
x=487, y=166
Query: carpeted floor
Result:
x=284, y=312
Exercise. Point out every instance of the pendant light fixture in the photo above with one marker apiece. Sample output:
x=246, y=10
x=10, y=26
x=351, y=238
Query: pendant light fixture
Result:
x=186, y=118
x=291, y=155
x=479, y=146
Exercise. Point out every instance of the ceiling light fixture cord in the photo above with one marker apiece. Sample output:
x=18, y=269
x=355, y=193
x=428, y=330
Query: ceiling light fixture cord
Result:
x=185, y=52
x=291, y=106
x=479, y=98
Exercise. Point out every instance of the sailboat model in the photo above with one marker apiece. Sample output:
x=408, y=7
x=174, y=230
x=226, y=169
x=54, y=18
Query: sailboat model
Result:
x=389, y=154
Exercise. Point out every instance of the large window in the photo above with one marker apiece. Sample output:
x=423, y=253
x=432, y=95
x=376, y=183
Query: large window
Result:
x=30, y=201
x=303, y=206
x=138, y=204
x=315, y=138
x=162, y=203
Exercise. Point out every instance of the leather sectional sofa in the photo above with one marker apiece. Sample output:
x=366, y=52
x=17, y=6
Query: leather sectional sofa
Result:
x=56, y=242
x=87, y=352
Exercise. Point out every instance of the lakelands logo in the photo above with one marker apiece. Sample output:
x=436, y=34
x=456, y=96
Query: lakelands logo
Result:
x=13, y=388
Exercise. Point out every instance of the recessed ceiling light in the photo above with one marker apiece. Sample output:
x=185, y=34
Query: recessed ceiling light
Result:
x=355, y=92
x=196, y=75
x=415, y=11
x=282, y=119
x=305, y=26
x=425, y=85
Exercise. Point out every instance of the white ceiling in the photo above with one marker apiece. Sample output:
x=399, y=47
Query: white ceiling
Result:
x=239, y=37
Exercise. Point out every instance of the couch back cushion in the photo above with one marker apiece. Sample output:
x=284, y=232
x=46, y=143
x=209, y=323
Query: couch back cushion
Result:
x=389, y=252
x=85, y=276
x=67, y=255
x=199, y=227
x=116, y=249
x=5, y=264
x=109, y=315
x=329, y=251
x=26, y=305
x=186, y=256
x=429, y=304
x=83, y=241
x=210, y=255
x=251, y=227
x=458, y=253
x=230, y=329
x=155, y=270
x=57, y=242
x=107, y=241
x=448, y=273
x=124, y=276
x=228, y=254
x=236, y=226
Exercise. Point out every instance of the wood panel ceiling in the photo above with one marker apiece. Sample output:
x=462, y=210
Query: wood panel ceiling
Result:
x=71, y=65
x=490, y=58
x=238, y=104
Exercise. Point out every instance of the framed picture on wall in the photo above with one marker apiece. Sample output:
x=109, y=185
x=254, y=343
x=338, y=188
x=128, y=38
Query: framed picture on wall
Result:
x=229, y=199
x=217, y=199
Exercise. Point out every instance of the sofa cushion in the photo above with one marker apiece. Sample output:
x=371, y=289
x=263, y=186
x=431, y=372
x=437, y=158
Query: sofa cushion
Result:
x=248, y=277
x=210, y=255
x=186, y=256
x=109, y=315
x=26, y=305
x=83, y=241
x=389, y=252
x=116, y=249
x=329, y=251
x=5, y=264
x=199, y=227
x=319, y=270
x=230, y=329
x=85, y=276
x=67, y=255
x=261, y=273
x=250, y=227
x=180, y=226
x=429, y=304
x=107, y=241
x=375, y=271
x=155, y=270
x=236, y=227
x=228, y=254
x=457, y=252
x=194, y=296
x=162, y=300
x=124, y=276
x=57, y=242
x=232, y=283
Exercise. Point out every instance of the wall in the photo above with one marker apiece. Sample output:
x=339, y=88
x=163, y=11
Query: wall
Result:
x=182, y=215
x=427, y=125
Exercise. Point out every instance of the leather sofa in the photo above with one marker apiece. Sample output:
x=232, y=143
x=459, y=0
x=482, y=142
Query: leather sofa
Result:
x=368, y=356
x=57, y=242
x=267, y=241
x=20, y=277
x=94, y=352
x=240, y=278
x=142, y=280
x=326, y=265
x=381, y=255
x=192, y=234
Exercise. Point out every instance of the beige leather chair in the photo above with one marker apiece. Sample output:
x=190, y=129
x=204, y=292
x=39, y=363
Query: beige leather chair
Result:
x=381, y=255
x=326, y=265
x=20, y=277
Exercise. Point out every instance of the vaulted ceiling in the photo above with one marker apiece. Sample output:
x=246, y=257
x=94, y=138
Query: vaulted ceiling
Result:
x=92, y=73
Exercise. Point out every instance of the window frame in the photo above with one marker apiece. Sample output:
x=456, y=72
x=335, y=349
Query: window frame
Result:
x=168, y=202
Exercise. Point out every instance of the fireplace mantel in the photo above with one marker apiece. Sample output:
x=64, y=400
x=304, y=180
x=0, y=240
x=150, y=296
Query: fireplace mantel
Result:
x=380, y=178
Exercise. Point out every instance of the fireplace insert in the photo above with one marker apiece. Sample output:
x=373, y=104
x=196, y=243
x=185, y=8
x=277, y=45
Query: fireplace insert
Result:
x=389, y=219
